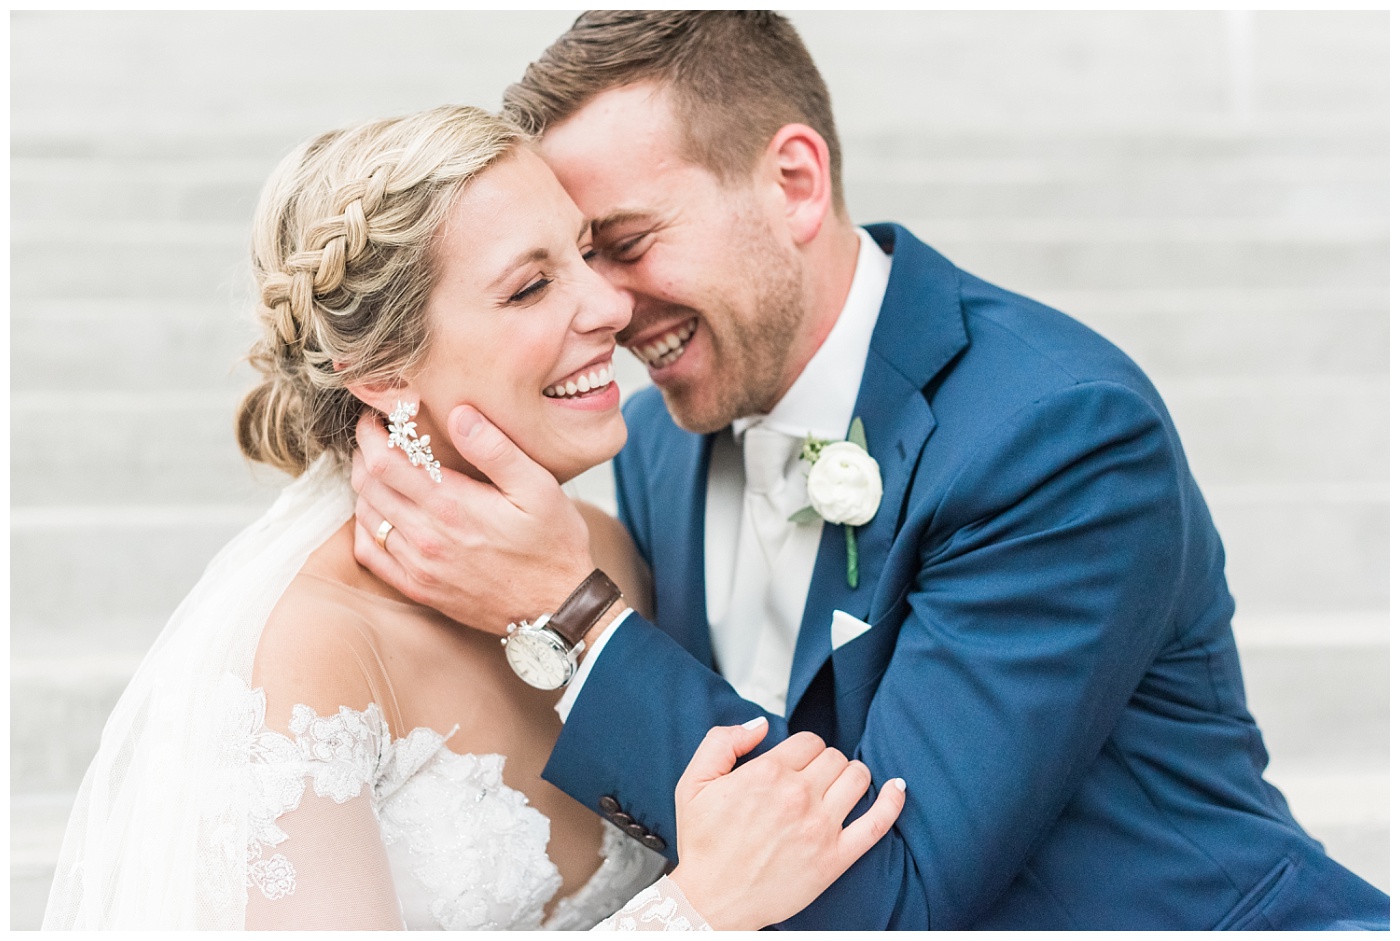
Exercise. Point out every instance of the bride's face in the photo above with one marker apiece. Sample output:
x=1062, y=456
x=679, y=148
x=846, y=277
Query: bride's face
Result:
x=520, y=326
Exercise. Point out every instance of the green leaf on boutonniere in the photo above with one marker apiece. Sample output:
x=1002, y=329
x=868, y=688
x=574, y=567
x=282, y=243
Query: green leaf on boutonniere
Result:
x=857, y=434
x=857, y=437
x=805, y=515
x=852, y=569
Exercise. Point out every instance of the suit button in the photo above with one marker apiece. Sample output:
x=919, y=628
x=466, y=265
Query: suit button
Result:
x=636, y=831
x=653, y=842
x=609, y=804
x=622, y=820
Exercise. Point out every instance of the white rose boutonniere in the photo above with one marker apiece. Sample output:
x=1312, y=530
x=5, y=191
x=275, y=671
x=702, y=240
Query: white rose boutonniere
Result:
x=844, y=484
x=844, y=487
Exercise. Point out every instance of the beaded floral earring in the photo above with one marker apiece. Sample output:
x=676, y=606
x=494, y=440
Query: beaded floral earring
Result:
x=403, y=434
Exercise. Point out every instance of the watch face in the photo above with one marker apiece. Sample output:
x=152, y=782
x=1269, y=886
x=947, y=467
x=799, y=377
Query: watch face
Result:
x=537, y=658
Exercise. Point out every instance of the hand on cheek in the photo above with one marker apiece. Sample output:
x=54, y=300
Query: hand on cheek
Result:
x=485, y=553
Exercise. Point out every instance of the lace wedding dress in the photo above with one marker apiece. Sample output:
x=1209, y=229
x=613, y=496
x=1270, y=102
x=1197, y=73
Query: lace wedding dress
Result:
x=196, y=814
x=461, y=849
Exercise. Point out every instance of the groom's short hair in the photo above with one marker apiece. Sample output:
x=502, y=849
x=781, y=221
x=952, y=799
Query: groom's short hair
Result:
x=735, y=77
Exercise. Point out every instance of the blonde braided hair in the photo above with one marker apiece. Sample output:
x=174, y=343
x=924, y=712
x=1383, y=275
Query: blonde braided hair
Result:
x=343, y=261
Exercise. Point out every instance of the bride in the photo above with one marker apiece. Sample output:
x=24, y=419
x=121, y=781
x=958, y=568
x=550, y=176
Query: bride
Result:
x=303, y=747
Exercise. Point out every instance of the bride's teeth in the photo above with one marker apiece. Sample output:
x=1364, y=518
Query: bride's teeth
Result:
x=588, y=382
x=672, y=341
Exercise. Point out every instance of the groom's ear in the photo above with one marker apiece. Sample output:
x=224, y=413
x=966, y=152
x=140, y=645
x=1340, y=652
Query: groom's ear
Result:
x=799, y=162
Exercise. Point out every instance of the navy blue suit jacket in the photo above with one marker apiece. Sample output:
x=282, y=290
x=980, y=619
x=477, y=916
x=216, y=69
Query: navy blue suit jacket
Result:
x=1050, y=667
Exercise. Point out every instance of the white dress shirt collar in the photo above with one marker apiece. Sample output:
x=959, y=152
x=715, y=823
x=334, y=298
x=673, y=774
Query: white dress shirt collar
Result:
x=822, y=400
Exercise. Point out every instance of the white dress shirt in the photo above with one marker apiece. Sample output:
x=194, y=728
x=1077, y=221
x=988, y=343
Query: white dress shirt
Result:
x=757, y=660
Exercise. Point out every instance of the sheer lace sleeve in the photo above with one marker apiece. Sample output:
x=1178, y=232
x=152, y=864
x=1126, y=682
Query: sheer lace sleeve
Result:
x=661, y=906
x=315, y=855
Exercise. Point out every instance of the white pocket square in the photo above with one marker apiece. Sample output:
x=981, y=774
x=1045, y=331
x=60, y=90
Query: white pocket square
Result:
x=845, y=628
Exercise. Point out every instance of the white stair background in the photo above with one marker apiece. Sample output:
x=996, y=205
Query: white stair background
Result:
x=1209, y=190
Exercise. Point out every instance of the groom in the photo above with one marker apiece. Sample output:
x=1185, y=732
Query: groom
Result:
x=1033, y=628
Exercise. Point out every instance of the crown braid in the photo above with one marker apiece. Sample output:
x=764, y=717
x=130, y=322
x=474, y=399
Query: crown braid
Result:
x=342, y=259
x=288, y=295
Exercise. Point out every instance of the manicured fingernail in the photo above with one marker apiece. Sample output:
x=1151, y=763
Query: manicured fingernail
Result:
x=755, y=723
x=468, y=422
x=899, y=783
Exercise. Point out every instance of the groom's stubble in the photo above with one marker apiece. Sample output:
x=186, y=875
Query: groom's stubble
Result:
x=752, y=322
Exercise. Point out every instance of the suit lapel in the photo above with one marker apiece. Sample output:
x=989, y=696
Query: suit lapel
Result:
x=920, y=331
x=680, y=543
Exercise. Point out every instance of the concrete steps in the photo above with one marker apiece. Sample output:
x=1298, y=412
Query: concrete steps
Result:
x=1209, y=190
x=130, y=347
x=1203, y=173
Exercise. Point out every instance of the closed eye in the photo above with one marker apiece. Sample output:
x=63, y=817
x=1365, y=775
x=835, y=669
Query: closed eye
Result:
x=629, y=249
x=528, y=292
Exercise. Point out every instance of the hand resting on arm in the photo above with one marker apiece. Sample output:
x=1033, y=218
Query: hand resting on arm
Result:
x=758, y=843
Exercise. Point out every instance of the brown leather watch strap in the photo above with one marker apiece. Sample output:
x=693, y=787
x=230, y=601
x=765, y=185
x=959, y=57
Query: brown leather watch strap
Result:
x=582, y=609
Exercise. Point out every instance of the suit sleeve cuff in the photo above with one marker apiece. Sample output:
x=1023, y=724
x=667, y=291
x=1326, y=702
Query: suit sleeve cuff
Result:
x=571, y=691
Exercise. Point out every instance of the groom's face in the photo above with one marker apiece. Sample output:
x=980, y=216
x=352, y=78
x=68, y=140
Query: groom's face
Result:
x=715, y=290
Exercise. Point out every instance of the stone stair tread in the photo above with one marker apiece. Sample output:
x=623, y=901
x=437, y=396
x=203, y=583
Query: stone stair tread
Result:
x=163, y=346
x=1239, y=432
x=164, y=234
x=1030, y=262
x=1285, y=545
x=1329, y=148
x=1031, y=184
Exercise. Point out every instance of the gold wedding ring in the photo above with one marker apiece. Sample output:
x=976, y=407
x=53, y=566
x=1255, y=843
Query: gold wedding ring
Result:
x=381, y=535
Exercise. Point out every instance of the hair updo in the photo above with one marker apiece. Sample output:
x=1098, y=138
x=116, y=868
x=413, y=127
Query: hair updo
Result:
x=343, y=260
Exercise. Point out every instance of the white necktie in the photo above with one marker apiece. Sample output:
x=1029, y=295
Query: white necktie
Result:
x=766, y=454
x=767, y=594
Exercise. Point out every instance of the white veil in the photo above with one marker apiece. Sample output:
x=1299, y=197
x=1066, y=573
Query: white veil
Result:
x=159, y=833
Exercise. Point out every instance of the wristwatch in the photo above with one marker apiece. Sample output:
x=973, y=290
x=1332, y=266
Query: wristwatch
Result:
x=544, y=653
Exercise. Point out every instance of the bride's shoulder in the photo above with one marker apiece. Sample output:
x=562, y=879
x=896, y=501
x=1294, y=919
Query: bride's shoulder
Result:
x=319, y=648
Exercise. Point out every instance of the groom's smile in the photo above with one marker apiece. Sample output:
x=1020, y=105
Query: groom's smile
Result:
x=663, y=347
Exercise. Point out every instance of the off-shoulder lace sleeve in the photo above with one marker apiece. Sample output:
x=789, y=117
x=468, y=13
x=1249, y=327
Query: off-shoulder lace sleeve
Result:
x=315, y=855
x=661, y=906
